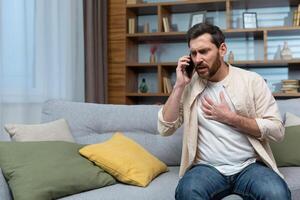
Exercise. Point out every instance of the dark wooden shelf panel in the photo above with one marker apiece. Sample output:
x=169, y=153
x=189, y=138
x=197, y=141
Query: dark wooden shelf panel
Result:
x=151, y=64
x=174, y=3
x=288, y=95
x=181, y=36
x=132, y=94
x=195, y=6
x=138, y=65
x=177, y=6
x=238, y=63
x=277, y=94
x=143, y=9
x=240, y=4
x=267, y=63
x=161, y=37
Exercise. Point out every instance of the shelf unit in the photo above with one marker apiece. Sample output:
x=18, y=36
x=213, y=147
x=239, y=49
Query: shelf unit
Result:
x=157, y=35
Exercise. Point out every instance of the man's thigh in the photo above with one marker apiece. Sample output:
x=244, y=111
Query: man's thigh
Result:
x=202, y=182
x=257, y=181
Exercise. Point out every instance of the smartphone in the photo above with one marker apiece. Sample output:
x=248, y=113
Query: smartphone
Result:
x=190, y=68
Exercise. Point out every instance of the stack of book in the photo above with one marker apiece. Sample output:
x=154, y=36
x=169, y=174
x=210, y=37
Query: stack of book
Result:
x=131, y=25
x=296, y=18
x=167, y=85
x=290, y=86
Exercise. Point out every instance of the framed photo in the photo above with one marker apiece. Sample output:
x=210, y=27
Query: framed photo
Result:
x=197, y=17
x=250, y=20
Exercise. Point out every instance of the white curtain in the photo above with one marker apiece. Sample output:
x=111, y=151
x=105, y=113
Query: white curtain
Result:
x=41, y=56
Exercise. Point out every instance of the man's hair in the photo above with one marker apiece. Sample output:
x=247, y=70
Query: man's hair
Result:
x=199, y=29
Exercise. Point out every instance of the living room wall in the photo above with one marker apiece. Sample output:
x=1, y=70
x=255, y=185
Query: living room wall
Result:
x=116, y=51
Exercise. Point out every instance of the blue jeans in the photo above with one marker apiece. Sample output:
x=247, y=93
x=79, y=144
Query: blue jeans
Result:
x=256, y=181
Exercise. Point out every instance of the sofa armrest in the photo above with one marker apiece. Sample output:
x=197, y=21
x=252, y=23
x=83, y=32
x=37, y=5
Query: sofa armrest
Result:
x=4, y=189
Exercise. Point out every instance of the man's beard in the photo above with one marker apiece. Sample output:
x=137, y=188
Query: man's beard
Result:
x=211, y=71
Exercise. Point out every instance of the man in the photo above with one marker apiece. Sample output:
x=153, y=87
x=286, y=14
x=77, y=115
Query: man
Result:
x=229, y=115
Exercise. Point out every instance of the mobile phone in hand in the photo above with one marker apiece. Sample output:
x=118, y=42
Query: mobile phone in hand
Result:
x=190, y=68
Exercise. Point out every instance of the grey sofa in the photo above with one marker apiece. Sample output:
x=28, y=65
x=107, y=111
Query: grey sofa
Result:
x=94, y=123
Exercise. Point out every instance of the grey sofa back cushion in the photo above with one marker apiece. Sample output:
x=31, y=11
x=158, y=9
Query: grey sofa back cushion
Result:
x=94, y=123
x=289, y=105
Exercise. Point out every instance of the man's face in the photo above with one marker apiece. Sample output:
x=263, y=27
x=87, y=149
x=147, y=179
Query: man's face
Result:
x=205, y=55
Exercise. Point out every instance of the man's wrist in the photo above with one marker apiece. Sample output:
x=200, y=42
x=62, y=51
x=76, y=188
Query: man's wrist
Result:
x=179, y=86
x=178, y=90
x=233, y=119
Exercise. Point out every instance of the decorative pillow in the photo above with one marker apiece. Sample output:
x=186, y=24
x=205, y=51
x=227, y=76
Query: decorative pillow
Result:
x=291, y=120
x=48, y=170
x=286, y=153
x=126, y=160
x=53, y=131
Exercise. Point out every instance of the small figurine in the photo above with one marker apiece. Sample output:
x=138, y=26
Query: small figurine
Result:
x=143, y=86
x=153, y=49
x=286, y=53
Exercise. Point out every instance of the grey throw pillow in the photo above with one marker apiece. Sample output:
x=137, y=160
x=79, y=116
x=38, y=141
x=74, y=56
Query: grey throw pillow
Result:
x=53, y=131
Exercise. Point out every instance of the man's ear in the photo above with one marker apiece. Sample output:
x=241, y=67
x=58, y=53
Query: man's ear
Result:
x=223, y=49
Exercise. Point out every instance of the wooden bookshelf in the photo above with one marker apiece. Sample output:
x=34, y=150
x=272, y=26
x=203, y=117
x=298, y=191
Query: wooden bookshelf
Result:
x=167, y=9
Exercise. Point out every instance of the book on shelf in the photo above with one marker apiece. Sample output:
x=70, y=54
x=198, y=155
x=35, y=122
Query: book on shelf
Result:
x=131, y=1
x=166, y=24
x=290, y=86
x=295, y=15
x=131, y=25
x=167, y=86
x=164, y=86
x=298, y=16
x=134, y=1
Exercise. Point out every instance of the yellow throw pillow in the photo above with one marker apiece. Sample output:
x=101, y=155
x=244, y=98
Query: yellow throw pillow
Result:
x=124, y=159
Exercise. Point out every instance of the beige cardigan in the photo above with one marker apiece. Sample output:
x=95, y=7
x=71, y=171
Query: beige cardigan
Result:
x=250, y=96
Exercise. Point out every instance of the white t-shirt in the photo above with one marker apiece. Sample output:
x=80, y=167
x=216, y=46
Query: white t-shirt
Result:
x=220, y=145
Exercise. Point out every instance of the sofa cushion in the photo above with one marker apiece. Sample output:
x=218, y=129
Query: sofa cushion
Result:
x=291, y=119
x=292, y=177
x=125, y=159
x=48, y=170
x=52, y=131
x=286, y=153
x=163, y=188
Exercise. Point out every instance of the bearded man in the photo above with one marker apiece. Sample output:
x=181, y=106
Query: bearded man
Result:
x=229, y=117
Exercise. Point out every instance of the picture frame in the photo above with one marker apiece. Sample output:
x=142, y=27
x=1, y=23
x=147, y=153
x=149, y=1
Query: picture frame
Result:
x=197, y=17
x=250, y=20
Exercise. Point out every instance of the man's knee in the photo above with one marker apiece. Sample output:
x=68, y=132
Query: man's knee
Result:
x=183, y=190
x=187, y=190
x=275, y=191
